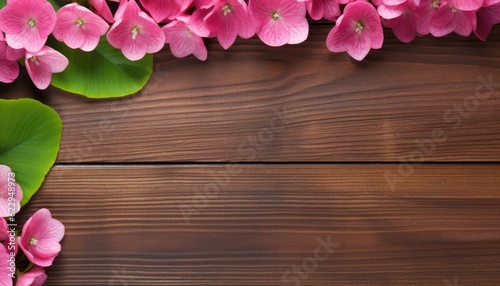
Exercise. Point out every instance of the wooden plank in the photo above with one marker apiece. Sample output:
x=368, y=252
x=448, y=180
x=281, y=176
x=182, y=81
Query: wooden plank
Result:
x=125, y=225
x=336, y=110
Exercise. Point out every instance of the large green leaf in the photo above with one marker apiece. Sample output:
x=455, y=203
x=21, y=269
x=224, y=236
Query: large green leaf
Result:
x=102, y=73
x=30, y=135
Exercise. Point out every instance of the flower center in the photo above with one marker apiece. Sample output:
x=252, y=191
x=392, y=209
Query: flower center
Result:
x=275, y=15
x=31, y=22
x=360, y=27
x=226, y=9
x=36, y=62
x=33, y=241
x=135, y=32
x=435, y=3
x=453, y=9
x=79, y=22
x=189, y=33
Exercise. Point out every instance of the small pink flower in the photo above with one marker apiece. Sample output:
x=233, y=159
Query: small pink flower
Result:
x=10, y=193
x=280, y=22
x=357, y=31
x=34, y=277
x=9, y=69
x=318, y=9
x=40, y=238
x=486, y=18
x=183, y=41
x=228, y=19
x=42, y=64
x=78, y=27
x=135, y=33
x=161, y=10
x=6, y=267
x=449, y=19
x=27, y=23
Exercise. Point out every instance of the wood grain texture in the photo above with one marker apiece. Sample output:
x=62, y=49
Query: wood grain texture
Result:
x=124, y=225
x=337, y=110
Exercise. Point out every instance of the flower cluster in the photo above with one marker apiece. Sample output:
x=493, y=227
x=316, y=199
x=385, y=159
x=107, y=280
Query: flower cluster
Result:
x=138, y=28
x=24, y=255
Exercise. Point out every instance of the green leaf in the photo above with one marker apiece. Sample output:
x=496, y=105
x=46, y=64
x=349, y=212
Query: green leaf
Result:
x=30, y=135
x=102, y=73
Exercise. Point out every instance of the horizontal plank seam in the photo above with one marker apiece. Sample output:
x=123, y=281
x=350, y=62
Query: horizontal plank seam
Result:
x=144, y=164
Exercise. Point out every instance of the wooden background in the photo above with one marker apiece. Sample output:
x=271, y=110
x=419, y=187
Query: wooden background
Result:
x=239, y=170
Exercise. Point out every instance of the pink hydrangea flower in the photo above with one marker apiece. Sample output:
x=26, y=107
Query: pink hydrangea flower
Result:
x=357, y=31
x=78, y=27
x=328, y=9
x=228, y=19
x=487, y=17
x=166, y=9
x=27, y=23
x=6, y=186
x=40, y=238
x=9, y=69
x=5, y=271
x=280, y=22
x=34, y=277
x=42, y=64
x=135, y=33
x=449, y=19
x=183, y=41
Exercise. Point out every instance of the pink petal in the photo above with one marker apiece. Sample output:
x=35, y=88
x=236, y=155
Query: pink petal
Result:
x=183, y=41
x=102, y=9
x=274, y=33
x=466, y=22
x=40, y=73
x=467, y=5
x=299, y=31
x=34, y=277
x=161, y=10
x=9, y=71
x=5, y=280
x=442, y=22
x=57, y=61
x=486, y=18
x=391, y=12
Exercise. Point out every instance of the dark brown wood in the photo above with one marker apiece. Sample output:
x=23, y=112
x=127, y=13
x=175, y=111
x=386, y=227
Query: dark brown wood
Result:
x=125, y=225
x=337, y=110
